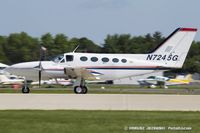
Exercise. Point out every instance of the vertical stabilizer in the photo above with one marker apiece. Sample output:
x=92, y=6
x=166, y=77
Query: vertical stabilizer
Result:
x=174, y=49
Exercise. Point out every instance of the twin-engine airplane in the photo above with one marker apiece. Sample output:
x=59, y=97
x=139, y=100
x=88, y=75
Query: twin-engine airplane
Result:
x=92, y=66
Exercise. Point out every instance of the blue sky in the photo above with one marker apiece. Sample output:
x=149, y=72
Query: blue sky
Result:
x=97, y=18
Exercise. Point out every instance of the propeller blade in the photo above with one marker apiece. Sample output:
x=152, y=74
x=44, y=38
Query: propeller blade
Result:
x=40, y=75
x=42, y=57
x=42, y=53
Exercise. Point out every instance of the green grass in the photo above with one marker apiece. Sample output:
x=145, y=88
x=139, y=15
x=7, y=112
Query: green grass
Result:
x=61, y=121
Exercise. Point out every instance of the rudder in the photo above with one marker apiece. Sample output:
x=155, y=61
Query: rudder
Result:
x=173, y=50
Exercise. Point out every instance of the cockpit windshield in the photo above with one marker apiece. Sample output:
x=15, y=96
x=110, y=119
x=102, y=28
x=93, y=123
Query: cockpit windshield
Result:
x=58, y=58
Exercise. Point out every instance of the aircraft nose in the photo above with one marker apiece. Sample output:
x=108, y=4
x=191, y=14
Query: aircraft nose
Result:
x=13, y=68
x=23, y=65
x=9, y=69
x=18, y=66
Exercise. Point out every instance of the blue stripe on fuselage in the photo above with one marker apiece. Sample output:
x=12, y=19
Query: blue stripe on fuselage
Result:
x=129, y=68
x=117, y=68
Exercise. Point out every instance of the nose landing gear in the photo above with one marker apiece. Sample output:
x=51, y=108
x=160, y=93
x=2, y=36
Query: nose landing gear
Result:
x=25, y=88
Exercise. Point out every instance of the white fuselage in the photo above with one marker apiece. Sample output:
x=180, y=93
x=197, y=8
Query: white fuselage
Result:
x=103, y=66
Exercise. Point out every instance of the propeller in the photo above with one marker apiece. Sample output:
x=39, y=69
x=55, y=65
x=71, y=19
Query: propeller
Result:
x=42, y=53
x=40, y=73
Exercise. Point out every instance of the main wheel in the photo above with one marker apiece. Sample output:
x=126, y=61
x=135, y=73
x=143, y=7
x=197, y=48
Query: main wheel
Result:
x=25, y=89
x=84, y=90
x=78, y=89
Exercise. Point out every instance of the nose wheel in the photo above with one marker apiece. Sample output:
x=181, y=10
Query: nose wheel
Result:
x=25, y=89
x=80, y=89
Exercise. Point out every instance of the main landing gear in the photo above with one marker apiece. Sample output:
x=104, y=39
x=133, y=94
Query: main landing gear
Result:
x=80, y=87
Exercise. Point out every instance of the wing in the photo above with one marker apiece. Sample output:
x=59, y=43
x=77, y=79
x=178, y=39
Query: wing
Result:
x=79, y=72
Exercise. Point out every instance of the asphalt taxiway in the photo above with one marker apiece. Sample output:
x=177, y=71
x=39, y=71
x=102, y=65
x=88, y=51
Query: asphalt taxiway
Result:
x=100, y=102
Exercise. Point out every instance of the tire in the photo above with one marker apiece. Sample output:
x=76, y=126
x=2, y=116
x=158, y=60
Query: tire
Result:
x=25, y=89
x=78, y=89
x=84, y=90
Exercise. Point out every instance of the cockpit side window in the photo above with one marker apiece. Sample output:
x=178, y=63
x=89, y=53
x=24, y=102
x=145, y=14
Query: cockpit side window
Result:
x=58, y=58
x=62, y=61
x=69, y=58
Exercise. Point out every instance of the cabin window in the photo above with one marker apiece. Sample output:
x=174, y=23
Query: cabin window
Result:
x=115, y=60
x=83, y=58
x=69, y=58
x=124, y=60
x=105, y=59
x=94, y=59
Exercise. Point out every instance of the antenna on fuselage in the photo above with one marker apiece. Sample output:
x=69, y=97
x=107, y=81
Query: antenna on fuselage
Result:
x=75, y=49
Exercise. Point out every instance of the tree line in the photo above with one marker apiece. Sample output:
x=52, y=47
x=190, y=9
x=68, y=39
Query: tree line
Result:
x=21, y=47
